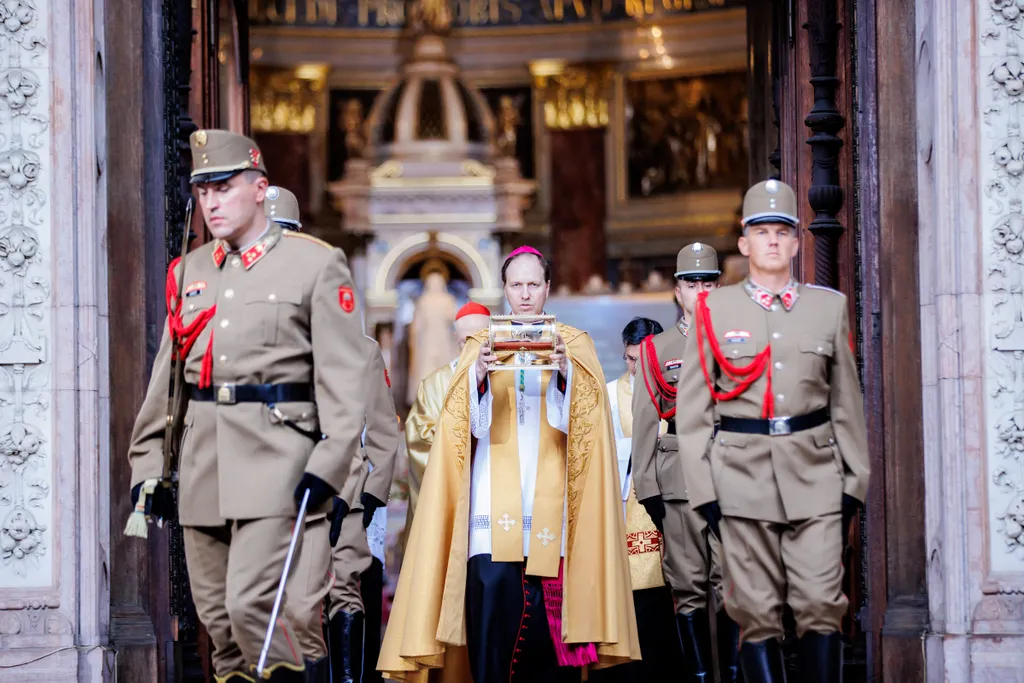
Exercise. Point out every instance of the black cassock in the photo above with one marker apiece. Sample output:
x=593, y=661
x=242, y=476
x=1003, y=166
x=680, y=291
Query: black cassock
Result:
x=660, y=650
x=507, y=628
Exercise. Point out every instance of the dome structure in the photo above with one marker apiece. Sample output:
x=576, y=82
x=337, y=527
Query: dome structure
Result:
x=430, y=112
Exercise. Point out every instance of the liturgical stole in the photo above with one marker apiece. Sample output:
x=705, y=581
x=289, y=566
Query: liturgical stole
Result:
x=506, y=487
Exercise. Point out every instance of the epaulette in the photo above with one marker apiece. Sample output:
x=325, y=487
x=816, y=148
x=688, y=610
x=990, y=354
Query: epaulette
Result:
x=310, y=238
x=824, y=289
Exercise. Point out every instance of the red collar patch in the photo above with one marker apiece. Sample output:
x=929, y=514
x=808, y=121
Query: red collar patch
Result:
x=220, y=252
x=763, y=298
x=253, y=254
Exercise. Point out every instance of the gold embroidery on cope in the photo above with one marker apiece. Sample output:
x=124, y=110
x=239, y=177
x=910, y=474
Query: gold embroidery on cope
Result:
x=585, y=395
x=457, y=405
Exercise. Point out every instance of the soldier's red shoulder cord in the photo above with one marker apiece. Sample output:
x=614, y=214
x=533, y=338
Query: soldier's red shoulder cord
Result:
x=661, y=388
x=743, y=376
x=183, y=337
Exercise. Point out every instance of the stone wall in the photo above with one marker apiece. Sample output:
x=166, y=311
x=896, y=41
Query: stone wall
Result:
x=53, y=355
x=971, y=167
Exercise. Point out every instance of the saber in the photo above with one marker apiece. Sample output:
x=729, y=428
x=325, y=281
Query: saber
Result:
x=284, y=579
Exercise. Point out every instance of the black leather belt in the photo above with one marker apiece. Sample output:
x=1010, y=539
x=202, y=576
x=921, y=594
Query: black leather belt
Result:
x=776, y=426
x=227, y=394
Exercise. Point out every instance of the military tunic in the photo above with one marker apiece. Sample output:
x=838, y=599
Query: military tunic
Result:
x=657, y=471
x=261, y=316
x=780, y=494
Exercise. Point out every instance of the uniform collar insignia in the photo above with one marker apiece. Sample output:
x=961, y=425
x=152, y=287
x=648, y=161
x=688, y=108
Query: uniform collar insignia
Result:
x=684, y=326
x=764, y=298
x=252, y=254
x=220, y=252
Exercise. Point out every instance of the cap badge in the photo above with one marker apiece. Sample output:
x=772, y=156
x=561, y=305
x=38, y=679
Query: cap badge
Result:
x=273, y=193
x=254, y=155
x=697, y=247
x=771, y=187
x=771, y=203
x=200, y=138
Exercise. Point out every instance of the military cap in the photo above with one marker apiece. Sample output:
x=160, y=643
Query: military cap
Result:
x=281, y=206
x=219, y=154
x=697, y=262
x=770, y=201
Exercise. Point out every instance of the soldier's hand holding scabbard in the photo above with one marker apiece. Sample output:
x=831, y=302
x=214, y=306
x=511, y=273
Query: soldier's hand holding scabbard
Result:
x=319, y=491
x=713, y=514
x=655, y=507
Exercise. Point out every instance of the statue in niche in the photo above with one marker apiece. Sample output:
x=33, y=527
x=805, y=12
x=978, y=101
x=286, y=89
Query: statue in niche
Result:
x=352, y=124
x=429, y=16
x=508, y=121
x=431, y=342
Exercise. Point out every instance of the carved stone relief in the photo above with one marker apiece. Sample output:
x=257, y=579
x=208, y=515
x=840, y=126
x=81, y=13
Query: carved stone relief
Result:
x=26, y=421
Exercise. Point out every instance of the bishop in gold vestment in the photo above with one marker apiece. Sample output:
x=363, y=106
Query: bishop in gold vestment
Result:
x=537, y=586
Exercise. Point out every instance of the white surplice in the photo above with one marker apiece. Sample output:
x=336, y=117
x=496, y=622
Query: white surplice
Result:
x=528, y=435
x=623, y=444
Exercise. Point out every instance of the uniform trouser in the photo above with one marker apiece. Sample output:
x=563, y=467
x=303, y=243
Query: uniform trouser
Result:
x=308, y=585
x=351, y=558
x=769, y=564
x=687, y=562
x=234, y=571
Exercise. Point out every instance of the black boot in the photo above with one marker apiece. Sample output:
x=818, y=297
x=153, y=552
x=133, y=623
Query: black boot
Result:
x=728, y=648
x=318, y=671
x=284, y=674
x=821, y=658
x=346, y=647
x=762, y=662
x=695, y=637
x=371, y=586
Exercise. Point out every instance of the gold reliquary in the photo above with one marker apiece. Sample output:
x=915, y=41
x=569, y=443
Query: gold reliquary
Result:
x=522, y=342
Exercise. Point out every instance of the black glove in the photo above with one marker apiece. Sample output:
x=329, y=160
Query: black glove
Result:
x=319, y=491
x=655, y=507
x=159, y=504
x=851, y=506
x=713, y=514
x=370, y=504
x=338, y=514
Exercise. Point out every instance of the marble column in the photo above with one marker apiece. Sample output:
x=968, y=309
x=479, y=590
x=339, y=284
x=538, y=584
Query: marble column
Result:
x=970, y=171
x=53, y=351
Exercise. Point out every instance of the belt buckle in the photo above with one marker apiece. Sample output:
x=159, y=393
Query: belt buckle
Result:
x=779, y=426
x=226, y=394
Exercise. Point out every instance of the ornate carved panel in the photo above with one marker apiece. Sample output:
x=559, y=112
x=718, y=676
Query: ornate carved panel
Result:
x=27, y=557
x=1002, y=171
